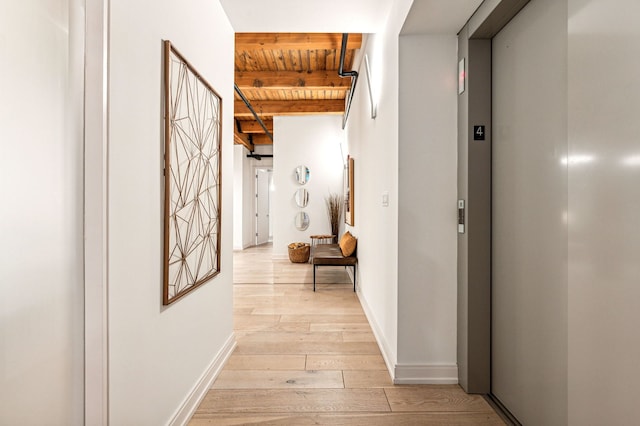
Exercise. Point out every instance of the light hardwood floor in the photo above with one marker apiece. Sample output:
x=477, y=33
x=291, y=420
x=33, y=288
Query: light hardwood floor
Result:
x=306, y=358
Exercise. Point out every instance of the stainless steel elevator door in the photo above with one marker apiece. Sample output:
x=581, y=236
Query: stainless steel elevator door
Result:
x=529, y=202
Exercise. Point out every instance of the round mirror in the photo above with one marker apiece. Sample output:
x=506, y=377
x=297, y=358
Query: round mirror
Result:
x=302, y=197
x=302, y=221
x=302, y=174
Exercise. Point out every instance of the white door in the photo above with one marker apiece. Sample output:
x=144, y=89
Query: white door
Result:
x=262, y=205
x=529, y=232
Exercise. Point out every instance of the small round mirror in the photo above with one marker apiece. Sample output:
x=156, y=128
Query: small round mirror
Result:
x=302, y=197
x=302, y=221
x=302, y=174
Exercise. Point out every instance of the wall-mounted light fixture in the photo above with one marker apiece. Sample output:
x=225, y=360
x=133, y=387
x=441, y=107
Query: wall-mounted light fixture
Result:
x=374, y=106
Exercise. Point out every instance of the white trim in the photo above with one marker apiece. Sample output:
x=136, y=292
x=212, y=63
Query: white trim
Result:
x=387, y=354
x=202, y=386
x=415, y=374
x=96, y=279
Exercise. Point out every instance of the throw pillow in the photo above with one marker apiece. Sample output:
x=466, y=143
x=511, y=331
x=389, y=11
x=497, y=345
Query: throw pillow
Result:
x=348, y=244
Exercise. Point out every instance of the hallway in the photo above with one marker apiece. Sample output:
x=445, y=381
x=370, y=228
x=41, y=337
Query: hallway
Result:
x=311, y=358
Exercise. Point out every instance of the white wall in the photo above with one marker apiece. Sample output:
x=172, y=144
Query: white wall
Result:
x=604, y=236
x=293, y=15
x=238, y=168
x=407, y=251
x=158, y=354
x=315, y=142
x=41, y=182
x=374, y=146
x=427, y=239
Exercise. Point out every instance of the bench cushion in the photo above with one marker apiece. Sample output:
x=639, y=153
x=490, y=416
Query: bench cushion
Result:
x=330, y=254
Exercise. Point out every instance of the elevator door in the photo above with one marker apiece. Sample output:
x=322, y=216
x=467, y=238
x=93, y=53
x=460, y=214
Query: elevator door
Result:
x=529, y=201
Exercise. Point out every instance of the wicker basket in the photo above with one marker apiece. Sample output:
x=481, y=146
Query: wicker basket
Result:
x=299, y=252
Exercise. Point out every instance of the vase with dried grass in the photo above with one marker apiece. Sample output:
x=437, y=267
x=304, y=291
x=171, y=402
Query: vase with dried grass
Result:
x=334, y=211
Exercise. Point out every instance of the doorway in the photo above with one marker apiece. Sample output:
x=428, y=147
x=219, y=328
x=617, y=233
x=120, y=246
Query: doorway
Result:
x=263, y=224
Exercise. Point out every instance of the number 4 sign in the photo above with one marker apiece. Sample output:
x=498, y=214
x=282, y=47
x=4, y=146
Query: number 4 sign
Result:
x=478, y=133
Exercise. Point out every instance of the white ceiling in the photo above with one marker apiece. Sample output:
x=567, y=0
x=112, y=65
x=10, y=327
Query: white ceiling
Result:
x=361, y=16
x=364, y=16
x=439, y=16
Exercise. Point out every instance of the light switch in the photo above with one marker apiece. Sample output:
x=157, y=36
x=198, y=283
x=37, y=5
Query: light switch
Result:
x=385, y=199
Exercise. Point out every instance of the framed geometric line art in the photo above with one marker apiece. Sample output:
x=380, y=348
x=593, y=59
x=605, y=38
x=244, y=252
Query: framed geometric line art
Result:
x=192, y=177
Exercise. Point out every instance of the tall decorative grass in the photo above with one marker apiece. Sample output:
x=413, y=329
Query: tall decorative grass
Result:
x=335, y=204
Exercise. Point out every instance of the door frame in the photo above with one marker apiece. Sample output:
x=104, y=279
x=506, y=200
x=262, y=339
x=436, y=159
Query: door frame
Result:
x=474, y=187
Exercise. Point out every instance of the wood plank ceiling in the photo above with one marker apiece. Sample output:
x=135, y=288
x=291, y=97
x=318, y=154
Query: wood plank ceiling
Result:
x=288, y=74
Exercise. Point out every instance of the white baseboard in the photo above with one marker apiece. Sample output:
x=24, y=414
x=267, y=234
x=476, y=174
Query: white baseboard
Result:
x=409, y=374
x=197, y=394
x=377, y=333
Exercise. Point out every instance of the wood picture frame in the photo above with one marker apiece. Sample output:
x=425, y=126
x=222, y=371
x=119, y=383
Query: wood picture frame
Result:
x=192, y=177
x=349, y=199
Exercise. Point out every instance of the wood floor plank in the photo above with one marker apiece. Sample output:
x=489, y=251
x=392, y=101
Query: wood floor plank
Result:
x=435, y=398
x=272, y=379
x=286, y=337
x=356, y=336
x=247, y=322
x=266, y=362
x=329, y=348
x=340, y=327
x=321, y=318
x=259, y=291
x=367, y=379
x=349, y=419
x=299, y=295
x=346, y=362
x=299, y=327
x=286, y=309
x=294, y=401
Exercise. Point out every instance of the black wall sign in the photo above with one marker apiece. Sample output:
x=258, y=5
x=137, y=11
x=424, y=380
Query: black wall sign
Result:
x=478, y=133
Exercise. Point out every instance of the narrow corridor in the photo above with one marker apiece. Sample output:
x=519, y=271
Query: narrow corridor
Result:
x=311, y=358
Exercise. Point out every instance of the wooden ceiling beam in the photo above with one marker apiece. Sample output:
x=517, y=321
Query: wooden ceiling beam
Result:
x=248, y=126
x=240, y=139
x=295, y=41
x=290, y=107
x=261, y=140
x=315, y=80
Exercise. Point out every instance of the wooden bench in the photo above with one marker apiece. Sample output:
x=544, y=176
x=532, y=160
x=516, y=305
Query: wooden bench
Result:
x=331, y=255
